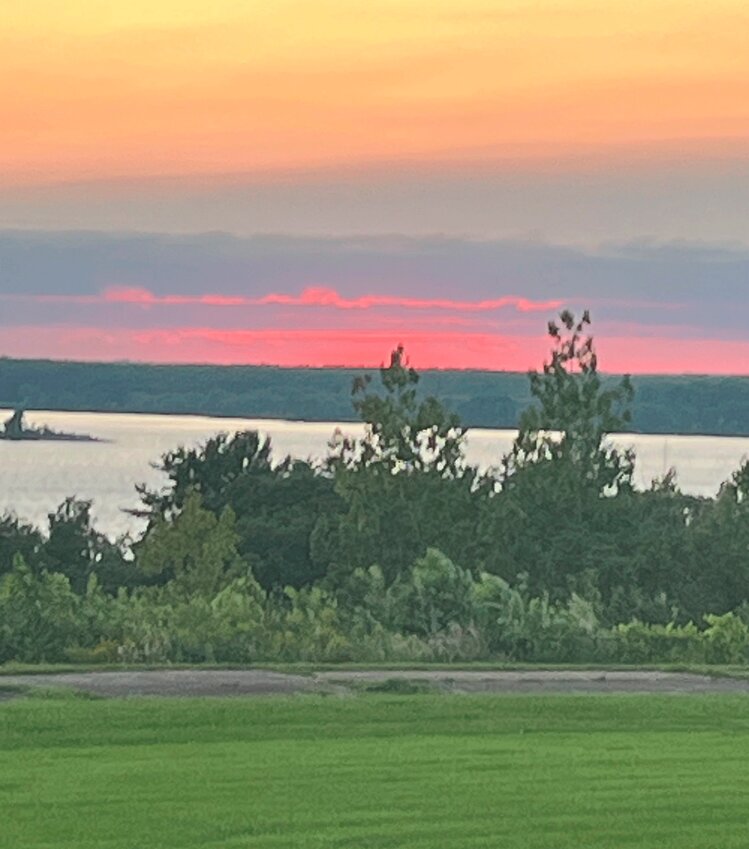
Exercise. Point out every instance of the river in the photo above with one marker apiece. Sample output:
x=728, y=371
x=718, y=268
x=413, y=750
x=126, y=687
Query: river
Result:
x=36, y=476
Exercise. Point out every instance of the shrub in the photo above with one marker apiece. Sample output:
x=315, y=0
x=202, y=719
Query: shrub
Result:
x=435, y=596
x=637, y=642
x=536, y=629
x=38, y=615
x=726, y=639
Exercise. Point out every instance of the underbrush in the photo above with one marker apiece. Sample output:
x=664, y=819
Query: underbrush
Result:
x=439, y=614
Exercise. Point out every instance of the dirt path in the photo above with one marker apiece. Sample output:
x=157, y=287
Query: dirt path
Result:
x=549, y=681
x=254, y=682
x=171, y=682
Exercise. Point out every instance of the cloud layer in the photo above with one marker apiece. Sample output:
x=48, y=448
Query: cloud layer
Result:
x=312, y=296
x=452, y=302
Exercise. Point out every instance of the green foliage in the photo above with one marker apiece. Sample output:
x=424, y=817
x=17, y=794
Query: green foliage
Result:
x=638, y=642
x=719, y=535
x=403, y=433
x=309, y=628
x=276, y=507
x=196, y=550
x=76, y=549
x=520, y=627
x=573, y=413
x=38, y=615
x=72, y=547
x=168, y=626
x=572, y=400
x=404, y=486
x=434, y=595
x=396, y=549
x=208, y=470
x=277, y=515
x=726, y=638
x=17, y=538
x=556, y=519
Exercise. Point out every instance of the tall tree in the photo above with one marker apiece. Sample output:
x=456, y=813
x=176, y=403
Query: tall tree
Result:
x=550, y=521
x=405, y=485
x=574, y=411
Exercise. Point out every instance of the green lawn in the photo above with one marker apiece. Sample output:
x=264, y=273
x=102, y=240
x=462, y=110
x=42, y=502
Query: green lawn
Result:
x=375, y=771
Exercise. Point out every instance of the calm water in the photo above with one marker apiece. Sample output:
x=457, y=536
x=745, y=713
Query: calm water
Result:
x=36, y=477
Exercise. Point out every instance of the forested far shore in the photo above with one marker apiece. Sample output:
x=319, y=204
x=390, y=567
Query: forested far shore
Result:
x=679, y=404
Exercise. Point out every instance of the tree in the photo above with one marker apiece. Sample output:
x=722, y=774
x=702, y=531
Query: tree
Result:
x=404, y=485
x=718, y=580
x=75, y=548
x=573, y=413
x=435, y=595
x=16, y=537
x=554, y=519
x=276, y=515
x=276, y=506
x=403, y=433
x=38, y=620
x=196, y=550
x=208, y=469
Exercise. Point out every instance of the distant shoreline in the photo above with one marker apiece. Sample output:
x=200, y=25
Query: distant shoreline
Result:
x=678, y=405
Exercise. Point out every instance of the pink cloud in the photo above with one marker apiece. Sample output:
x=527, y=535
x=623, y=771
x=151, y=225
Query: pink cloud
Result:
x=128, y=295
x=139, y=295
x=321, y=296
x=315, y=296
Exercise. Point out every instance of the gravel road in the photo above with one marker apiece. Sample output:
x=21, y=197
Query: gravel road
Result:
x=256, y=682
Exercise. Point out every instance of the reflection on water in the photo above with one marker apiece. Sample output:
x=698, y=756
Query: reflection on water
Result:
x=35, y=477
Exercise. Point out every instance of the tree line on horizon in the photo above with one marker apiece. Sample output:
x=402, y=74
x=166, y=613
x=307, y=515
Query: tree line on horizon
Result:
x=395, y=548
x=687, y=404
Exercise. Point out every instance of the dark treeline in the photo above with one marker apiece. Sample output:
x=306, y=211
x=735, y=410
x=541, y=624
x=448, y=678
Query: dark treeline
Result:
x=662, y=404
x=393, y=548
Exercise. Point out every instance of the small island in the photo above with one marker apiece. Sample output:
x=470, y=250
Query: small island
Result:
x=15, y=429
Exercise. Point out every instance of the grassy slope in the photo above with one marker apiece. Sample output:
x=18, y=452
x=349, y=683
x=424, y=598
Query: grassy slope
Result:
x=375, y=771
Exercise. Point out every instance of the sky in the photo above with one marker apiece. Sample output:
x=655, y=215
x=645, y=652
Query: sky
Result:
x=303, y=182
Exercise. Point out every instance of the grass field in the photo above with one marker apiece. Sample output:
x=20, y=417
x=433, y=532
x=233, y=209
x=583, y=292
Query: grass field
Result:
x=375, y=771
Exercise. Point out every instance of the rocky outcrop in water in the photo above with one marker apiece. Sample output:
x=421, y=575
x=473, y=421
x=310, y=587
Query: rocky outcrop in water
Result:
x=15, y=429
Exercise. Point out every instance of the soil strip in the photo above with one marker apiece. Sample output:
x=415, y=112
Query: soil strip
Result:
x=258, y=682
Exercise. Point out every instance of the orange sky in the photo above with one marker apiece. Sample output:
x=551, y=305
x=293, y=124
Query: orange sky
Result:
x=482, y=142
x=105, y=88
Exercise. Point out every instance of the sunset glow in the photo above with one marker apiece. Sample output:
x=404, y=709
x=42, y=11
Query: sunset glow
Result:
x=296, y=182
x=149, y=89
x=367, y=349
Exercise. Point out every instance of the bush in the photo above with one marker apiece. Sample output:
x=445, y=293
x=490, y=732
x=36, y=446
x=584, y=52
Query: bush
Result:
x=637, y=642
x=434, y=596
x=726, y=639
x=38, y=615
x=437, y=612
x=534, y=628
